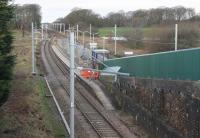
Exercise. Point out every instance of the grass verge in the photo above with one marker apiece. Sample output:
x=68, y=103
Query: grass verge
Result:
x=28, y=113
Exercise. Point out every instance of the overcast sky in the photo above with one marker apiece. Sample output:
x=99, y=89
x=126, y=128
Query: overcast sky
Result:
x=53, y=9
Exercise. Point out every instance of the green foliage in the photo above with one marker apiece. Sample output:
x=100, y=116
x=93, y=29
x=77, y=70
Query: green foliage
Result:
x=137, y=18
x=188, y=36
x=6, y=59
x=106, y=31
x=83, y=17
x=135, y=38
x=121, y=31
x=118, y=18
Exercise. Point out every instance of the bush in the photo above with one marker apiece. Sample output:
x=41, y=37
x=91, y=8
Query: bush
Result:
x=135, y=38
x=188, y=36
x=161, y=39
x=6, y=59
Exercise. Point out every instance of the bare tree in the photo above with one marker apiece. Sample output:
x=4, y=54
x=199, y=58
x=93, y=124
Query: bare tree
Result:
x=26, y=14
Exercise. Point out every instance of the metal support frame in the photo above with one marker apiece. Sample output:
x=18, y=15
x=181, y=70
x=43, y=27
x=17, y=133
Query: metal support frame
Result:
x=90, y=32
x=176, y=37
x=103, y=43
x=42, y=32
x=83, y=39
x=75, y=35
x=72, y=67
x=46, y=32
x=60, y=27
x=93, y=36
x=83, y=35
x=64, y=28
x=77, y=32
x=33, y=49
x=115, y=39
x=35, y=31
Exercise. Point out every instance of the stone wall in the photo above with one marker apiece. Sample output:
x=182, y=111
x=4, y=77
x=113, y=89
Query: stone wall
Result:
x=166, y=108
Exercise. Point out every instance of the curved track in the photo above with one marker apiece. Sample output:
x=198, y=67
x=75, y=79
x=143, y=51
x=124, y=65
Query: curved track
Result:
x=88, y=106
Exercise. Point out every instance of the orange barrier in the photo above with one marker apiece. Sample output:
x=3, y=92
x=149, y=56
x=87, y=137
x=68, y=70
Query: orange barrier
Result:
x=87, y=74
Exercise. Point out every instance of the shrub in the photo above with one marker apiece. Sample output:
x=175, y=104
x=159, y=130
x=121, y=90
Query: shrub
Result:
x=6, y=59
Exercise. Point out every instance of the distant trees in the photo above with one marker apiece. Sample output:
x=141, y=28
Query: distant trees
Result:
x=161, y=38
x=26, y=14
x=162, y=15
x=83, y=17
x=118, y=18
x=6, y=59
x=138, y=18
x=161, y=21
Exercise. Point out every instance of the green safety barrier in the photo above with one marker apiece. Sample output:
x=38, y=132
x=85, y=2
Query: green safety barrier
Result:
x=175, y=65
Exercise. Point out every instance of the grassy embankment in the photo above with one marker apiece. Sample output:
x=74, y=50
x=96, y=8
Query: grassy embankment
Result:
x=122, y=46
x=121, y=31
x=28, y=113
x=156, y=38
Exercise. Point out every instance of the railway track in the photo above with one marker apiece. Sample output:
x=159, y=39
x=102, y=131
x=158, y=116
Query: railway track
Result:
x=93, y=112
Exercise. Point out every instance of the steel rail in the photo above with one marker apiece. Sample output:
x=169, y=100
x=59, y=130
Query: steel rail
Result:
x=93, y=122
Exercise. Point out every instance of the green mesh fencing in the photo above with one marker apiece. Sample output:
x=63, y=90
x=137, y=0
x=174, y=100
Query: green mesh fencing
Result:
x=175, y=65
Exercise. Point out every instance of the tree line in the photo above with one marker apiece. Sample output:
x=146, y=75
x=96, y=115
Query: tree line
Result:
x=25, y=15
x=13, y=17
x=138, y=18
x=6, y=58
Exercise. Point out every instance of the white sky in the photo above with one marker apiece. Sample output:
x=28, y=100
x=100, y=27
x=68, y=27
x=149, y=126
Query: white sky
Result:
x=53, y=9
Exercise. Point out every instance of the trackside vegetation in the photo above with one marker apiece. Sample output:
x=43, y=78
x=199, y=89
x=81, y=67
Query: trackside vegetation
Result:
x=6, y=58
